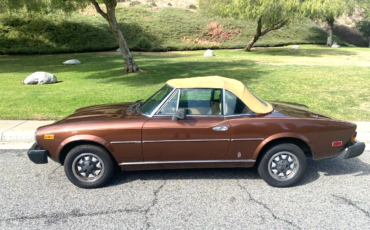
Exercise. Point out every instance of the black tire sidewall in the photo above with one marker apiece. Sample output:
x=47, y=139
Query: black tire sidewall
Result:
x=263, y=165
x=101, y=153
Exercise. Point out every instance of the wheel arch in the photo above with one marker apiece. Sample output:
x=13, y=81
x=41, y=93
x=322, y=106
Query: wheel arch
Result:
x=269, y=143
x=69, y=145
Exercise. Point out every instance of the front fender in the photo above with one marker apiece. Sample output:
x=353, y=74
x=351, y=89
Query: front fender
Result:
x=90, y=138
x=278, y=136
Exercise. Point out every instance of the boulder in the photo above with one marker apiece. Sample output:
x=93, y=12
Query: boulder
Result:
x=72, y=62
x=208, y=53
x=40, y=78
x=118, y=50
x=295, y=47
x=335, y=45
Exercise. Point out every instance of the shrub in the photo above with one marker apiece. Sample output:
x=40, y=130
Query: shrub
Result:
x=144, y=28
x=192, y=7
x=144, y=43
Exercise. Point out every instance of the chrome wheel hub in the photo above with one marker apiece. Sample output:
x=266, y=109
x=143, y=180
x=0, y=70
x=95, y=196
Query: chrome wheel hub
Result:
x=283, y=166
x=88, y=167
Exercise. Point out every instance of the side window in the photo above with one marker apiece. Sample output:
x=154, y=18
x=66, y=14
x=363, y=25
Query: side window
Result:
x=234, y=105
x=201, y=101
x=170, y=107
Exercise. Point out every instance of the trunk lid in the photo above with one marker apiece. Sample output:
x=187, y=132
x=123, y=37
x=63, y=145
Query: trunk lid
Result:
x=289, y=109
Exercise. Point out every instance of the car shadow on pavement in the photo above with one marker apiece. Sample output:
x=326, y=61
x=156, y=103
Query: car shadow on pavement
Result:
x=335, y=167
x=185, y=174
x=329, y=167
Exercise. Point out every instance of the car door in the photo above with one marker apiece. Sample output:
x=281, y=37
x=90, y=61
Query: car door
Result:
x=204, y=135
x=247, y=130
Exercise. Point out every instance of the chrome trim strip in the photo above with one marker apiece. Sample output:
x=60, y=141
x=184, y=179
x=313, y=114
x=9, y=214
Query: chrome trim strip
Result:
x=163, y=101
x=166, y=102
x=125, y=142
x=178, y=100
x=186, y=162
x=191, y=140
x=248, y=139
x=223, y=102
x=240, y=115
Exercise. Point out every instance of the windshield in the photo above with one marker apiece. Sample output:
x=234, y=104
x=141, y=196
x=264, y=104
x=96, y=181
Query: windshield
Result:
x=152, y=102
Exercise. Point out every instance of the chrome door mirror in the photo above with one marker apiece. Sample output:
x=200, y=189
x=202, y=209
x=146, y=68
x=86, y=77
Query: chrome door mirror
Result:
x=179, y=115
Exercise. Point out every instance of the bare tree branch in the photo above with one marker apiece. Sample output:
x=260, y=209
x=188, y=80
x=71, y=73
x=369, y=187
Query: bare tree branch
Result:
x=276, y=27
x=98, y=9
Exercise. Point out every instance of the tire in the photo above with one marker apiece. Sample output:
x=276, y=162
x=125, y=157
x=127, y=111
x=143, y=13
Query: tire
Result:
x=283, y=165
x=89, y=166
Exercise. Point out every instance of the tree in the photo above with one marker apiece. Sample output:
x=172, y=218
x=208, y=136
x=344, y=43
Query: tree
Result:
x=327, y=11
x=72, y=5
x=270, y=15
x=364, y=27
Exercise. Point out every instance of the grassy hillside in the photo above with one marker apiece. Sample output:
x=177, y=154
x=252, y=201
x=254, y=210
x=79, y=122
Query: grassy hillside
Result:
x=144, y=27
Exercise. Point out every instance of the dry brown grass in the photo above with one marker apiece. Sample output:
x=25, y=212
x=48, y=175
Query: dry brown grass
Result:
x=217, y=32
x=201, y=41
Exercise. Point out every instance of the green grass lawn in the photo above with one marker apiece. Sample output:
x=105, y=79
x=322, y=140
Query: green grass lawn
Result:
x=335, y=82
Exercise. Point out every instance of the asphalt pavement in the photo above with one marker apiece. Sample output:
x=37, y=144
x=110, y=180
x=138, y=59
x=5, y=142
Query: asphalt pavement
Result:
x=334, y=194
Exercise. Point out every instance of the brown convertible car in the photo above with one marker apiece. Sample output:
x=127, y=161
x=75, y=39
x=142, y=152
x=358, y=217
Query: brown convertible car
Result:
x=203, y=122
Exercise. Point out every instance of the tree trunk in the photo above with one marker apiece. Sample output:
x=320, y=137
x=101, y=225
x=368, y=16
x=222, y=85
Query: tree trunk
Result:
x=255, y=36
x=369, y=42
x=329, y=41
x=110, y=16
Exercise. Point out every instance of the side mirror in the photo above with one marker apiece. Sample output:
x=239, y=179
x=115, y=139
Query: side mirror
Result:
x=179, y=115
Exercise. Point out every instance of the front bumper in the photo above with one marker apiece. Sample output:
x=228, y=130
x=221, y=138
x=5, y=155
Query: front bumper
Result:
x=354, y=149
x=38, y=155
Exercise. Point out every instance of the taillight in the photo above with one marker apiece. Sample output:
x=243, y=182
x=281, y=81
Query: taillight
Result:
x=336, y=143
x=354, y=137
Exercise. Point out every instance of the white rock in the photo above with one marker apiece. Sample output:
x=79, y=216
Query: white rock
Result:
x=72, y=62
x=208, y=53
x=335, y=45
x=295, y=47
x=40, y=78
x=118, y=50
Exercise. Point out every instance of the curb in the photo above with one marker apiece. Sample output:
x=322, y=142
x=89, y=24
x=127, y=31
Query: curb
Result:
x=19, y=130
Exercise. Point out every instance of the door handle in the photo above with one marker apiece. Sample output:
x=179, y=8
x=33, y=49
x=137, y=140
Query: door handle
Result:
x=220, y=128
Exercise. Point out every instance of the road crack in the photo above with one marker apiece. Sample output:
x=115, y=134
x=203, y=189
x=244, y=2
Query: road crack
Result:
x=55, y=217
x=351, y=203
x=152, y=204
x=251, y=198
x=52, y=172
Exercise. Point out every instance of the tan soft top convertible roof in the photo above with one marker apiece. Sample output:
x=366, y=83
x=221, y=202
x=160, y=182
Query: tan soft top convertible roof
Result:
x=217, y=82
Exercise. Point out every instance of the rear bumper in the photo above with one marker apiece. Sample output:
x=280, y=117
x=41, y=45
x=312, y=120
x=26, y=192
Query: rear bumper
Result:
x=354, y=149
x=37, y=155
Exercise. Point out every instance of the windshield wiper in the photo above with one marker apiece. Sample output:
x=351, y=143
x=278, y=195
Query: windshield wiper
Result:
x=134, y=107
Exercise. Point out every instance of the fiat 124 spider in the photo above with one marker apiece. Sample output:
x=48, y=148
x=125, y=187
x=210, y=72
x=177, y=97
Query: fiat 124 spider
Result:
x=202, y=122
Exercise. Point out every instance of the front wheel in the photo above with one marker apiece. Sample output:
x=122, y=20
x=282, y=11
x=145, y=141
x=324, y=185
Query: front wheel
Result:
x=88, y=166
x=283, y=165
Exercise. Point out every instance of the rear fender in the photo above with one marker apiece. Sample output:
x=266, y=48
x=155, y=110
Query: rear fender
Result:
x=278, y=136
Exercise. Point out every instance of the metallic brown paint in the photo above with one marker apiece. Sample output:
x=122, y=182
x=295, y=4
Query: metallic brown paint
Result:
x=161, y=139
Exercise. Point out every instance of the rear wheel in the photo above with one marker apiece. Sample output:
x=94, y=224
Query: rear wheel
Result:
x=89, y=166
x=283, y=165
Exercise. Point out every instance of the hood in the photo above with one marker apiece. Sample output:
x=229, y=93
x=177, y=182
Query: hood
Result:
x=102, y=112
x=295, y=110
